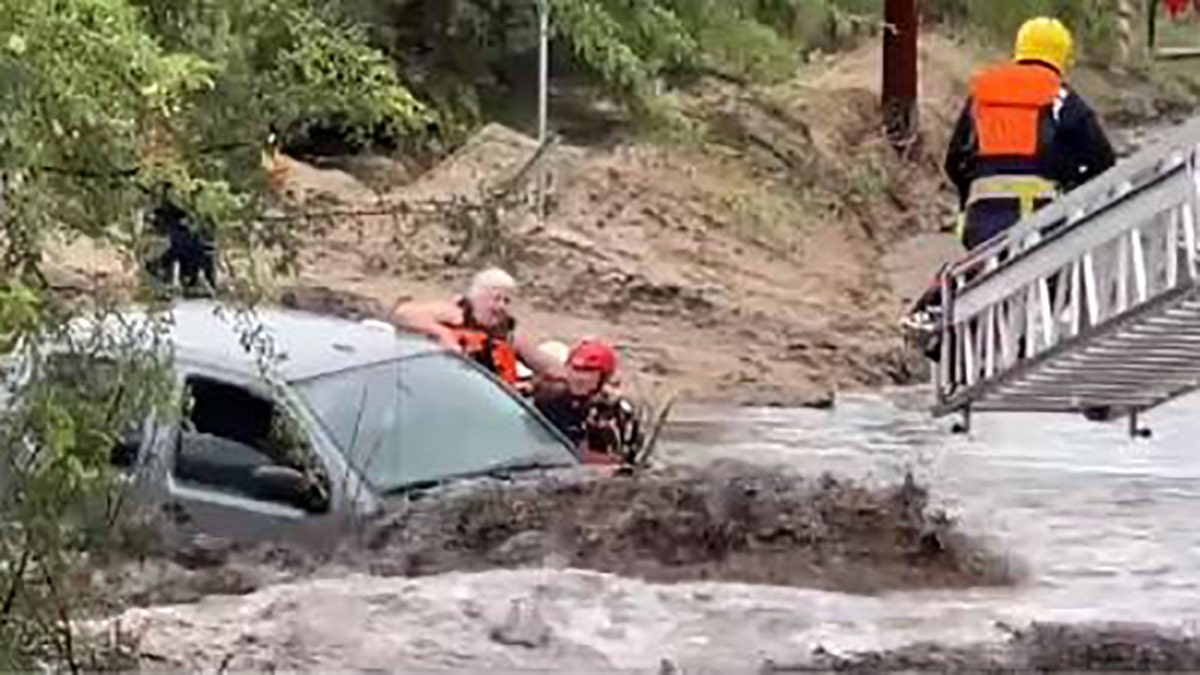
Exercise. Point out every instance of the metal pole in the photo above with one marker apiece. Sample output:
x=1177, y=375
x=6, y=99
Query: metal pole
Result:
x=543, y=7
x=900, y=71
x=1126, y=21
x=543, y=65
x=1151, y=26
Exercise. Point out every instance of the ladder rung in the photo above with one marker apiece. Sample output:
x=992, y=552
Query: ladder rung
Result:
x=1126, y=244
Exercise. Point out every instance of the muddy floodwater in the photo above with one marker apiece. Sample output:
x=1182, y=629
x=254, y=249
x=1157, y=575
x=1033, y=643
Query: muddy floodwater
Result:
x=693, y=567
x=1105, y=526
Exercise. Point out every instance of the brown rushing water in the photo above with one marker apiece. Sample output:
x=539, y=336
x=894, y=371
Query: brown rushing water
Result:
x=1105, y=525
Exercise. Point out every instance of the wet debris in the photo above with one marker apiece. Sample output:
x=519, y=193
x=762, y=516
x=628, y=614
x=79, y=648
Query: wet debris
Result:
x=1112, y=646
x=825, y=401
x=523, y=627
x=1042, y=647
x=728, y=522
x=333, y=302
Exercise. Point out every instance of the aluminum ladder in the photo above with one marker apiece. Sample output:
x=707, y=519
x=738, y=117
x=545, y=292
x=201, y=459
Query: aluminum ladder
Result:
x=1090, y=305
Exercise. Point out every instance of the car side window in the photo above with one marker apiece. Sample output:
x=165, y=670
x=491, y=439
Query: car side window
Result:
x=240, y=443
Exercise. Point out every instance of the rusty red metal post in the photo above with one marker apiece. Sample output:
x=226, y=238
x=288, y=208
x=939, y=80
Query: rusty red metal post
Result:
x=900, y=71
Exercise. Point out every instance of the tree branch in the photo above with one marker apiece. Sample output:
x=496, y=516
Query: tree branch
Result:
x=11, y=596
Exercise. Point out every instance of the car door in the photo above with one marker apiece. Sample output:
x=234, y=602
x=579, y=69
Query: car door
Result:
x=233, y=459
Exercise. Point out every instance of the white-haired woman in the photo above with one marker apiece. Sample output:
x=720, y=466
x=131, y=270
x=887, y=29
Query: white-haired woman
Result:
x=478, y=325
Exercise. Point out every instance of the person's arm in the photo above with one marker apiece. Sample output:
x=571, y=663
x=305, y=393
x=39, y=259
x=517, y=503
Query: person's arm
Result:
x=1083, y=147
x=538, y=361
x=429, y=318
x=959, y=154
x=1098, y=153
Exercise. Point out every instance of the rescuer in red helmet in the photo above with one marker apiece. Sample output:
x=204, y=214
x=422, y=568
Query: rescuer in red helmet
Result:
x=584, y=405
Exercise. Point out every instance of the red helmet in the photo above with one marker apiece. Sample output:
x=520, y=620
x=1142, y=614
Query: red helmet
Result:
x=593, y=355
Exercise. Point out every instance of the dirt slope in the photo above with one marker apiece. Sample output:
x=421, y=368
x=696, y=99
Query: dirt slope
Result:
x=746, y=265
x=764, y=259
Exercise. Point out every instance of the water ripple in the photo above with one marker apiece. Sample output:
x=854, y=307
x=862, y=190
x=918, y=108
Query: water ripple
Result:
x=1108, y=525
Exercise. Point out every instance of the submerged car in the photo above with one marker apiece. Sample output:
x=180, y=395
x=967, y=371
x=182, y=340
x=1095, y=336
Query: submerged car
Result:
x=339, y=419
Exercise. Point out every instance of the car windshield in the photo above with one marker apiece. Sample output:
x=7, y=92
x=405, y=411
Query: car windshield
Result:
x=429, y=417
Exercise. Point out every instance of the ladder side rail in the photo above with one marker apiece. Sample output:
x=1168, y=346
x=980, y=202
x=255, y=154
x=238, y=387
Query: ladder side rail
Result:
x=992, y=325
x=1069, y=260
x=1074, y=305
x=1002, y=390
x=1066, y=246
x=1136, y=169
x=969, y=267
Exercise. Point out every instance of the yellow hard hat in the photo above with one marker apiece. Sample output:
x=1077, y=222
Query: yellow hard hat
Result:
x=1045, y=39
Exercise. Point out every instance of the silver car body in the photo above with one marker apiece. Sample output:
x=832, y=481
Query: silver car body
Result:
x=463, y=422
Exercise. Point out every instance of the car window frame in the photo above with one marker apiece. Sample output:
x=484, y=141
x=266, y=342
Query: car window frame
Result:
x=527, y=405
x=282, y=398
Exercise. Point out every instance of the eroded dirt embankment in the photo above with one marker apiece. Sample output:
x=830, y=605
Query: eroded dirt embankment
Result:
x=738, y=525
x=742, y=264
x=764, y=258
x=728, y=523
x=703, y=528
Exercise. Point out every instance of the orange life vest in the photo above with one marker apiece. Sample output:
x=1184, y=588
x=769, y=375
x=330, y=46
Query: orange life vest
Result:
x=1008, y=108
x=493, y=349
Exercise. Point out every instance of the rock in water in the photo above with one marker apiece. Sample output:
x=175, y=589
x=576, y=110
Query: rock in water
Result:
x=524, y=627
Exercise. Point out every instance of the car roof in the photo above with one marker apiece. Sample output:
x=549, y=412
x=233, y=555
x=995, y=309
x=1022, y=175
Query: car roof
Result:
x=303, y=344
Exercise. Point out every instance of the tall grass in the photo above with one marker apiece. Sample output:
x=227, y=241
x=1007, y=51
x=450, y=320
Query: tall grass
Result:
x=766, y=39
x=835, y=24
x=1093, y=22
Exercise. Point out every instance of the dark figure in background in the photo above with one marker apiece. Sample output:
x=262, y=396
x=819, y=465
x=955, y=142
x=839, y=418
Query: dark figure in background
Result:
x=188, y=250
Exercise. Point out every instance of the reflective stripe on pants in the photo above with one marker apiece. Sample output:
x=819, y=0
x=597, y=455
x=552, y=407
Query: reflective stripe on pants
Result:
x=996, y=203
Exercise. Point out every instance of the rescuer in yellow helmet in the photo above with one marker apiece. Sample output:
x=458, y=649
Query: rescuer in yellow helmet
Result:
x=1023, y=138
x=1046, y=40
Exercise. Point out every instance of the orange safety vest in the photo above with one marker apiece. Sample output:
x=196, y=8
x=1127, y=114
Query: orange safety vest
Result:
x=493, y=349
x=1007, y=106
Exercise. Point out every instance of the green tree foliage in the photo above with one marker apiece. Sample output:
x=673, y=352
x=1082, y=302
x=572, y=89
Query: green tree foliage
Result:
x=285, y=66
x=454, y=51
x=103, y=103
x=458, y=53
